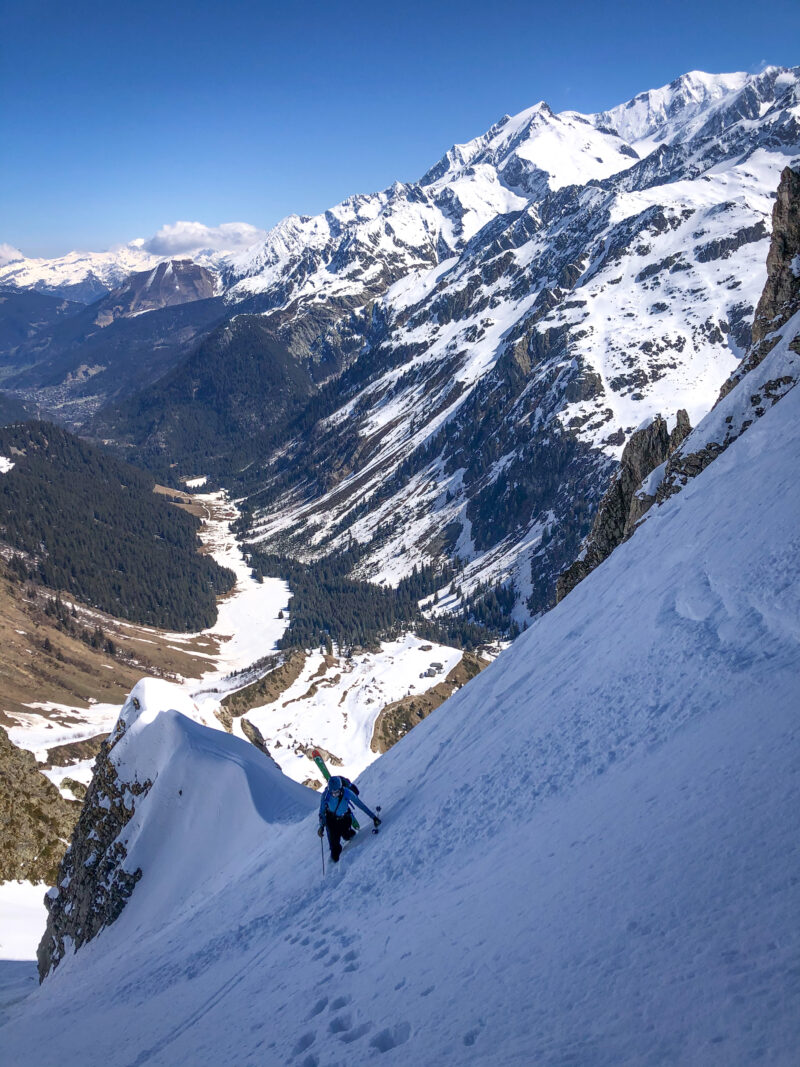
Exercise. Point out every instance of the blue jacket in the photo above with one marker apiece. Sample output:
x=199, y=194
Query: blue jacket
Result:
x=340, y=805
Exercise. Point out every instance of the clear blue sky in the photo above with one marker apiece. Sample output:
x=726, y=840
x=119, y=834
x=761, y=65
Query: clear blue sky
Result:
x=116, y=119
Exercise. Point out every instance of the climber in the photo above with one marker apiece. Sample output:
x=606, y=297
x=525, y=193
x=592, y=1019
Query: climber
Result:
x=335, y=816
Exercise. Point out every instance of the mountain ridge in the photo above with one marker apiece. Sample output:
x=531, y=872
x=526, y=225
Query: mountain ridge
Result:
x=481, y=344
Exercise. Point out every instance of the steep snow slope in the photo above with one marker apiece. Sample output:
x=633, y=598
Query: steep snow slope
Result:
x=586, y=855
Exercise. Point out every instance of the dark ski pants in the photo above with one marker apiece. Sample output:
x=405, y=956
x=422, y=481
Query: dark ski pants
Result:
x=339, y=827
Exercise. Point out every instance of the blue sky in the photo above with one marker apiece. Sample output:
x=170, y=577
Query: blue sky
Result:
x=117, y=120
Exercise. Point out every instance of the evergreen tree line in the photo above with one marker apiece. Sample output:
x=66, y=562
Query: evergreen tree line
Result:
x=329, y=606
x=485, y=615
x=90, y=524
x=65, y=619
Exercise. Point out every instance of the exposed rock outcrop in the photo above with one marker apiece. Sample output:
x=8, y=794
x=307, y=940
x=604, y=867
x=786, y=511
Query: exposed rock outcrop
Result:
x=92, y=886
x=628, y=498
x=173, y=282
x=264, y=691
x=256, y=738
x=781, y=296
x=401, y=716
x=35, y=820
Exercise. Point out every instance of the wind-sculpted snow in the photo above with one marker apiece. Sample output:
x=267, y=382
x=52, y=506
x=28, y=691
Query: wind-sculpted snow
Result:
x=585, y=857
x=161, y=743
x=150, y=815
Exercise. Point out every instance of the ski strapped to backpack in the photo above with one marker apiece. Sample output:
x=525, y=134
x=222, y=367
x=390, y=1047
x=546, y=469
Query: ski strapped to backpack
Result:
x=326, y=774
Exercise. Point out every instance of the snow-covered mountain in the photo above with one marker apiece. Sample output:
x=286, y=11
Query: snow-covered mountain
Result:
x=451, y=368
x=88, y=276
x=585, y=854
x=80, y=276
x=552, y=285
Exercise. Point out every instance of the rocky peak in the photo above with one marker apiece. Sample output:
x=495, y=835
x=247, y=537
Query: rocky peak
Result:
x=781, y=297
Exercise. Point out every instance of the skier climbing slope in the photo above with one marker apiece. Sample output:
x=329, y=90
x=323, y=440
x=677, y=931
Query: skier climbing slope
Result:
x=335, y=814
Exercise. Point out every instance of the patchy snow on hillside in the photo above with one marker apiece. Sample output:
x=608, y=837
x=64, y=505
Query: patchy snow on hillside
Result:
x=49, y=724
x=247, y=628
x=334, y=703
x=585, y=857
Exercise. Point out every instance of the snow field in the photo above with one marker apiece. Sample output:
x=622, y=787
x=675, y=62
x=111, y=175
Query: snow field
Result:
x=24, y=916
x=586, y=855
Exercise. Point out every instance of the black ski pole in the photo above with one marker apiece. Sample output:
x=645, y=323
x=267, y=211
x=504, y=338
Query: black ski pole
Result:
x=322, y=846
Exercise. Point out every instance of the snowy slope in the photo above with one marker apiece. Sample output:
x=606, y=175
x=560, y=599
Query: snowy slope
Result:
x=586, y=855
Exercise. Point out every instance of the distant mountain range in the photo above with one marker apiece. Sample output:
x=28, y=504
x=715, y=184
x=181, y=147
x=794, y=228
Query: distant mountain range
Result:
x=448, y=369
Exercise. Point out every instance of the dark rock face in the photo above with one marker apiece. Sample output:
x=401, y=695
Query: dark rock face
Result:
x=35, y=820
x=622, y=507
x=780, y=299
x=723, y=247
x=256, y=738
x=92, y=886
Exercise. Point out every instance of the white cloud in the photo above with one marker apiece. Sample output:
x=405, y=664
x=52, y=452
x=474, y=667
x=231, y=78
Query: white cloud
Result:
x=184, y=237
x=8, y=254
